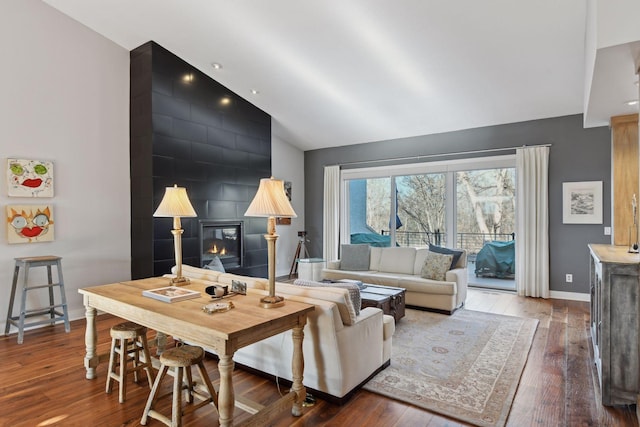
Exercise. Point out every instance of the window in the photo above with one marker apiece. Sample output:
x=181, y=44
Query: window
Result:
x=458, y=203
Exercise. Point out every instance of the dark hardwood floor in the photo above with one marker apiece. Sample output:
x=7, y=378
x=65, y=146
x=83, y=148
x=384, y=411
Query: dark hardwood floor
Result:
x=42, y=382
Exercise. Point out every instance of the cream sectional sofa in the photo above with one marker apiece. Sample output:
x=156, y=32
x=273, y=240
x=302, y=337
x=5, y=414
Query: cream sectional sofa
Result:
x=401, y=267
x=342, y=348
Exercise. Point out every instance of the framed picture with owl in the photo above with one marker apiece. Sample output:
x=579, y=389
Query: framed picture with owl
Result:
x=29, y=178
x=30, y=223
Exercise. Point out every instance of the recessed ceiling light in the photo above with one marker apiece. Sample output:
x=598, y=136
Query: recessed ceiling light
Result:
x=216, y=66
x=632, y=102
x=187, y=78
x=225, y=100
x=255, y=91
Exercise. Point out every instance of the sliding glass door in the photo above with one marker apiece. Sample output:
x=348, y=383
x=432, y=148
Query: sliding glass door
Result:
x=465, y=204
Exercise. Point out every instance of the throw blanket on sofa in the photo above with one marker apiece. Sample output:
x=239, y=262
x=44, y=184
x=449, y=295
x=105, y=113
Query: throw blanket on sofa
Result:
x=354, y=290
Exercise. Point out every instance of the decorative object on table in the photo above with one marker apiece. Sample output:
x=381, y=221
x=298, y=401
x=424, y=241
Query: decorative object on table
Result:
x=270, y=201
x=215, y=264
x=171, y=294
x=175, y=204
x=582, y=202
x=29, y=223
x=29, y=178
x=239, y=287
x=633, y=230
x=217, y=291
x=466, y=366
x=218, y=307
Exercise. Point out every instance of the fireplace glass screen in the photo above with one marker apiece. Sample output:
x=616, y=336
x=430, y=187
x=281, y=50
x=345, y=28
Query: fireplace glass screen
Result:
x=221, y=239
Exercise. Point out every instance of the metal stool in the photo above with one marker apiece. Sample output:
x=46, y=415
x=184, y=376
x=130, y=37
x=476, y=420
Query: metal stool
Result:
x=128, y=339
x=180, y=358
x=19, y=321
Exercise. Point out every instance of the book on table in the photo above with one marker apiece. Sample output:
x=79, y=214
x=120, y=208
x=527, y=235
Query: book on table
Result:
x=171, y=294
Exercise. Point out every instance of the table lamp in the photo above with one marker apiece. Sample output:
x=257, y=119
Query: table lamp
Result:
x=271, y=202
x=175, y=204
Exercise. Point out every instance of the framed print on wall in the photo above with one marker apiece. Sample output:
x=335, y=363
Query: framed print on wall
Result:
x=29, y=178
x=582, y=202
x=29, y=223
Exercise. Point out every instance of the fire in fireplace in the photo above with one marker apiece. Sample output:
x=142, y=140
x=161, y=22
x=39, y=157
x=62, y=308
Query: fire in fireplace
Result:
x=222, y=239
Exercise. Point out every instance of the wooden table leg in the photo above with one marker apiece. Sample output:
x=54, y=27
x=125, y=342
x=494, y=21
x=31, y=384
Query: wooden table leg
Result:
x=297, y=368
x=226, y=397
x=90, y=340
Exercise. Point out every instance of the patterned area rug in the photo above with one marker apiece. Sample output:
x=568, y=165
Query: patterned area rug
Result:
x=465, y=366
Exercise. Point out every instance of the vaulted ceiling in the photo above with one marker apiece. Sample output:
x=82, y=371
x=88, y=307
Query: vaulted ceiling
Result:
x=341, y=72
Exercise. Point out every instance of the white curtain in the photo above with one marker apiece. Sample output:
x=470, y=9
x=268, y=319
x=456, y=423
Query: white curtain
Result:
x=532, y=221
x=331, y=213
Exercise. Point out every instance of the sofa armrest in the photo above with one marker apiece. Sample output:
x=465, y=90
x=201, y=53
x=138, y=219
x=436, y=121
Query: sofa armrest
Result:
x=459, y=275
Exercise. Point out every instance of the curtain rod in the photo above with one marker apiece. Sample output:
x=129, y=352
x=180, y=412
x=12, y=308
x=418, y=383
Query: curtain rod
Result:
x=427, y=156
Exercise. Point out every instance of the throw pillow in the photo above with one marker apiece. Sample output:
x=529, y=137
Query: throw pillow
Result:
x=354, y=257
x=436, y=266
x=447, y=251
x=215, y=265
x=353, y=288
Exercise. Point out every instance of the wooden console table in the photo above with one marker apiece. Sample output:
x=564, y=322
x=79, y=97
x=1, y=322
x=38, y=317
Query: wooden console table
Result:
x=615, y=322
x=221, y=333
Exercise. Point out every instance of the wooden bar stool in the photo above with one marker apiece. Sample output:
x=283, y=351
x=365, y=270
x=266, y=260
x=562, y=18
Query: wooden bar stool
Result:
x=128, y=339
x=51, y=310
x=181, y=359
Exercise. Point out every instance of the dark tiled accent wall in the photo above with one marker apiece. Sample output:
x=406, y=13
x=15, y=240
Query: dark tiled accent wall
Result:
x=182, y=132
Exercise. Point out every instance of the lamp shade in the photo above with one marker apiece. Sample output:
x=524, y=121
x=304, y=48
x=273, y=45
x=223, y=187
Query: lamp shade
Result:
x=271, y=200
x=175, y=203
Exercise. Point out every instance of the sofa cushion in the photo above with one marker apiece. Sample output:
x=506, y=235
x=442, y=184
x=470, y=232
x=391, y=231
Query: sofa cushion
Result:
x=354, y=257
x=354, y=290
x=397, y=260
x=375, y=254
x=447, y=251
x=436, y=266
x=427, y=286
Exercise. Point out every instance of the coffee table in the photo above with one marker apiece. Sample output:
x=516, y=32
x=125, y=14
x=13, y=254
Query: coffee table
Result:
x=391, y=300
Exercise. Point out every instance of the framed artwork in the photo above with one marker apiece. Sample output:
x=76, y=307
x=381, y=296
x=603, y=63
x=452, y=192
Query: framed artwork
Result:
x=29, y=223
x=29, y=178
x=582, y=202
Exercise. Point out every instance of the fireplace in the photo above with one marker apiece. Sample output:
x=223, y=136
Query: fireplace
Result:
x=224, y=240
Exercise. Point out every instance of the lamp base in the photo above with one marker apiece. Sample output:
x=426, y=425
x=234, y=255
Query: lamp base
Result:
x=180, y=281
x=271, y=301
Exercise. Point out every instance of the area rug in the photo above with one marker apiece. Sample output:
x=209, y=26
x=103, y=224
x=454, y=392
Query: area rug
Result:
x=465, y=366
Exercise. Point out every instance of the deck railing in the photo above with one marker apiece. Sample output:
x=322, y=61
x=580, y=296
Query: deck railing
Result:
x=472, y=242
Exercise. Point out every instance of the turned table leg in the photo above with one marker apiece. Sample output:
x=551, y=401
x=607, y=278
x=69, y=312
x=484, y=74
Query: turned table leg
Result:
x=90, y=339
x=297, y=367
x=226, y=397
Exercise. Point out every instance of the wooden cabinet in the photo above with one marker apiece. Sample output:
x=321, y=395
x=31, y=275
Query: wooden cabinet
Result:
x=615, y=322
x=624, y=174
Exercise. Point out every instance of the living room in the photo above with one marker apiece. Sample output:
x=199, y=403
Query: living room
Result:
x=66, y=99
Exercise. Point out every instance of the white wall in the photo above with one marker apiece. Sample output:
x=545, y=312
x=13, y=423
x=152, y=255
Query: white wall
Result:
x=65, y=97
x=287, y=163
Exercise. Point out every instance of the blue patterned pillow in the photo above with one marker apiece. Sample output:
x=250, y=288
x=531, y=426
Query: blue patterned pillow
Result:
x=447, y=251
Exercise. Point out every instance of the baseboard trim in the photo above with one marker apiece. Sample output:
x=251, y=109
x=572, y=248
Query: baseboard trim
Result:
x=572, y=296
